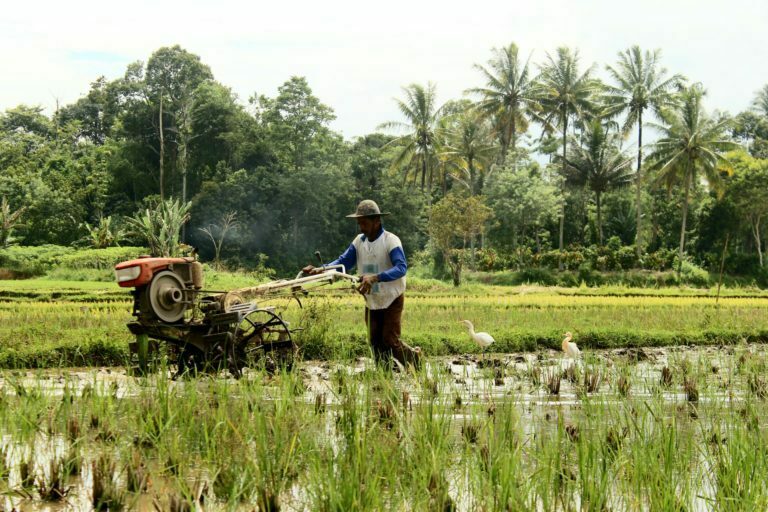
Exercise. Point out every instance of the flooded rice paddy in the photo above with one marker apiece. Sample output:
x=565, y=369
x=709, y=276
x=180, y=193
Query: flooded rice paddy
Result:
x=678, y=428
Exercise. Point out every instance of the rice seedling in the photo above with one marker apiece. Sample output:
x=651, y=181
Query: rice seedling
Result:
x=5, y=468
x=691, y=389
x=534, y=375
x=666, y=377
x=136, y=473
x=592, y=380
x=27, y=471
x=758, y=385
x=572, y=373
x=51, y=483
x=553, y=382
x=106, y=493
x=471, y=432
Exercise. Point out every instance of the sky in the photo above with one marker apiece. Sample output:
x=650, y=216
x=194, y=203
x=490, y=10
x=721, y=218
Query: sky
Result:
x=358, y=55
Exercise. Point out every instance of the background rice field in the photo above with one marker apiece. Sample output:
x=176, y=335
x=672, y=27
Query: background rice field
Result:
x=49, y=323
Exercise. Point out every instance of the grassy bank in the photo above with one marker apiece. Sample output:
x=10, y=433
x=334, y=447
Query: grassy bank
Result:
x=58, y=323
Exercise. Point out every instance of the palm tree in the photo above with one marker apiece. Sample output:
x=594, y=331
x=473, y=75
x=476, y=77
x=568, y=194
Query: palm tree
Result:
x=564, y=94
x=469, y=150
x=760, y=103
x=599, y=164
x=417, y=147
x=640, y=85
x=691, y=146
x=508, y=96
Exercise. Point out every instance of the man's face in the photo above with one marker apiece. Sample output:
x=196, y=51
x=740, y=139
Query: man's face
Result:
x=369, y=226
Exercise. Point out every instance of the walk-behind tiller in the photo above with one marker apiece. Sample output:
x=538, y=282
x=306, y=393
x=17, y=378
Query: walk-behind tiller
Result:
x=211, y=330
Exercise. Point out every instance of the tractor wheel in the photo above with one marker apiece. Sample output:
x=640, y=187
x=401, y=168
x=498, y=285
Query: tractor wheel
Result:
x=262, y=338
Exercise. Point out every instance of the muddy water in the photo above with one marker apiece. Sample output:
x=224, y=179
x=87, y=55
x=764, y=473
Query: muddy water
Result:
x=459, y=382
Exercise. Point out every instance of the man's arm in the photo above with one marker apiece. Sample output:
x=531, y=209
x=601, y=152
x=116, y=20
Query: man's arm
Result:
x=348, y=259
x=399, y=266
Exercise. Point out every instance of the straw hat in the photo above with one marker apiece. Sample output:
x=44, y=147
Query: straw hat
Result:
x=366, y=208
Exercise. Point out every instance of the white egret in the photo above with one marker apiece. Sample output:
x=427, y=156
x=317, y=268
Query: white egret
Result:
x=483, y=339
x=570, y=348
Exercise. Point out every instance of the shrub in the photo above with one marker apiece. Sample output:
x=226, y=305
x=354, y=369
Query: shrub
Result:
x=488, y=260
x=659, y=260
x=692, y=274
x=100, y=259
x=32, y=261
x=626, y=257
x=541, y=276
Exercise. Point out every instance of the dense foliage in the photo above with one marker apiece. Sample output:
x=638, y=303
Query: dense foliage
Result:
x=543, y=146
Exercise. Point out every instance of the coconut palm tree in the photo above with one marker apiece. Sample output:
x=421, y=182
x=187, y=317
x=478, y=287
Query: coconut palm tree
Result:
x=469, y=150
x=640, y=85
x=599, y=164
x=690, y=147
x=565, y=94
x=760, y=104
x=417, y=146
x=508, y=97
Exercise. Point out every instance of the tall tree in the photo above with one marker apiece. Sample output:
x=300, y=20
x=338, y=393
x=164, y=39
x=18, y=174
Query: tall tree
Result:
x=509, y=96
x=751, y=129
x=469, y=150
x=690, y=147
x=417, y=146
x=760, y=103
x=565, y=94
x=640, y=84
x=295, y=121
x=172, y=78
x=522, y=203
x=95, y=112
x=748, y=190
x=599, y=164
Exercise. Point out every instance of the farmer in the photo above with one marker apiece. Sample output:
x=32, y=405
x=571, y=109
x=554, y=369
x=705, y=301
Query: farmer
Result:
x=380, y=260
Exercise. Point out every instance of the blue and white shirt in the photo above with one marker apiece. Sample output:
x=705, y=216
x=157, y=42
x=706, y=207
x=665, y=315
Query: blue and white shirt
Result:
x=382, y=256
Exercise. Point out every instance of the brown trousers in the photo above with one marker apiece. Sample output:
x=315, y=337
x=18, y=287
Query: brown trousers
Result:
x=384, y=334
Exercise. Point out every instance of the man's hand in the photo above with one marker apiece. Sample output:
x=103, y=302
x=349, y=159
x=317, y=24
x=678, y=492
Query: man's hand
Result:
x=311, y=270
x=366, y=283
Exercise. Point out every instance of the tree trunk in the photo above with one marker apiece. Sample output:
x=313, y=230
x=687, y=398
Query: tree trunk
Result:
x=758, y=240
x=504, y=147
x=638, y=183
x=162, y=152
x=512, y=141
x=183, y=165
x=423, y=176
x=445, y=181
x=685, y=218
x=562, y=188
x=473, y=264
x=423, y=170
x=455, y=266
x=538, y=239
x=599, y=219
